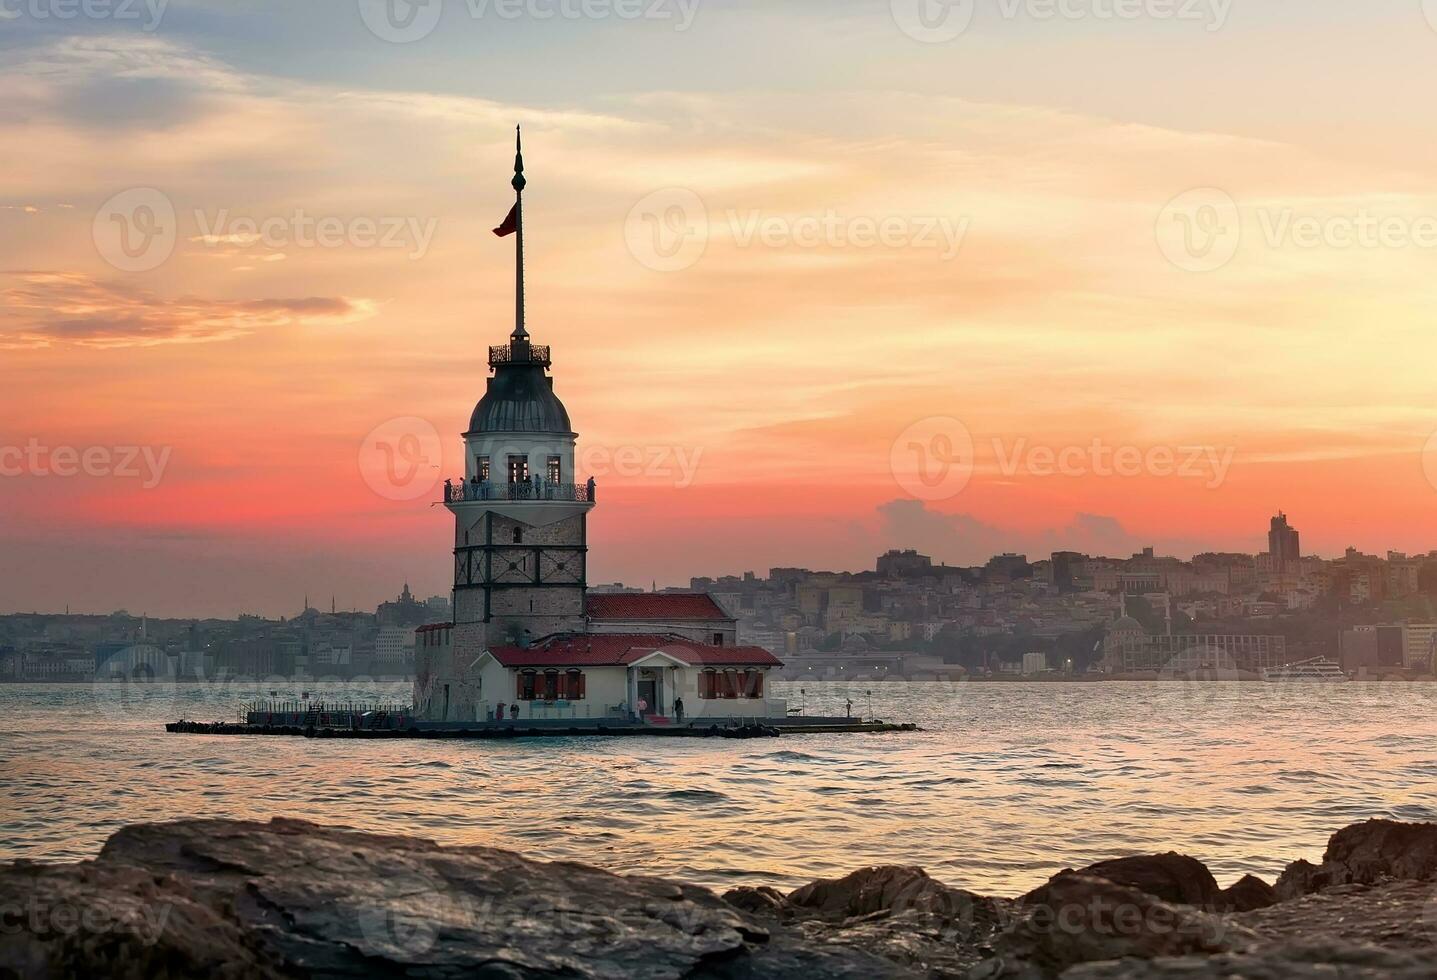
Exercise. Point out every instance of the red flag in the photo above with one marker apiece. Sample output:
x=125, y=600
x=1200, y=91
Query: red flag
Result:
x=510, y=225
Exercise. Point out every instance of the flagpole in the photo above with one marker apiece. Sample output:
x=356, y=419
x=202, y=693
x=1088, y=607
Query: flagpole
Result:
x=519, y=332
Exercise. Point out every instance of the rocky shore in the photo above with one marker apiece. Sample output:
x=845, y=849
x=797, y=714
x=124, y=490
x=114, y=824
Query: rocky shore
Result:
x=293, y=899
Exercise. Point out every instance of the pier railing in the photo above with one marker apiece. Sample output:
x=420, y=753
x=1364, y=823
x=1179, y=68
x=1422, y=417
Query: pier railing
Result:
x=303, y=713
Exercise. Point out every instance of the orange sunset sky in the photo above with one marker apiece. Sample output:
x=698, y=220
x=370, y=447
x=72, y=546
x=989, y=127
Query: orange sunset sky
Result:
x=791, y=372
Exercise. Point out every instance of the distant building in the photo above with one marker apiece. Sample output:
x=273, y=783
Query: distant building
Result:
x=1282, y=542
x=404, y=611
x=904, y=564
x=394, y=647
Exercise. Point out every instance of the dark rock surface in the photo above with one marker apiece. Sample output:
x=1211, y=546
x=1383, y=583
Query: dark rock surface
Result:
x=1171, y=877
x=1248, y=893
x=1363, y=854
x=1086, y=919
x=292, y=899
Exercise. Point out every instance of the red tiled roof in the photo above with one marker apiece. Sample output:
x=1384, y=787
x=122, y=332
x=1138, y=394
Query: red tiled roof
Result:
x=671, y=606
x=620, y=649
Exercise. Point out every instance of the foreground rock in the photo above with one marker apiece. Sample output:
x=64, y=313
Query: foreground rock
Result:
x=292, y=899
x=1365, y=853
x=898, y=912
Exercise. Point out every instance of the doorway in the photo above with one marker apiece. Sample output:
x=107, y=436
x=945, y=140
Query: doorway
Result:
x=650, y=691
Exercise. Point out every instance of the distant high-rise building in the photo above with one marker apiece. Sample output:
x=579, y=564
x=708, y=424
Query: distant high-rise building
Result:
x=1282, y=542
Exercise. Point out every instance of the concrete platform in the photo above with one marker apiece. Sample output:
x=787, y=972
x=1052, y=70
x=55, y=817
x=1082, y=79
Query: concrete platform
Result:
x=529, y=730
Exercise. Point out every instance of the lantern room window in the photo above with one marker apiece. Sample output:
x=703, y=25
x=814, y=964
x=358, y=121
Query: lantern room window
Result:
x=556, y=469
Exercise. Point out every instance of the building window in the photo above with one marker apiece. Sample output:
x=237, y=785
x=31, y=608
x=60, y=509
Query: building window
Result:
x=718, y=639
x=528, y=684
x=518, y=536
x=574, y=685
x=556, y=469
x=482, y=468
x=551, y=685
x=518, y=469
x=708, y=685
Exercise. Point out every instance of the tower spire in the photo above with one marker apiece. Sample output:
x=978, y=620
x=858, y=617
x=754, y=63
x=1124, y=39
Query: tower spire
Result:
x=519, y=183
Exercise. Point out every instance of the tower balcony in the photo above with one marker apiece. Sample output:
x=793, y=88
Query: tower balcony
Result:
x=519, y=352
x=528, y=491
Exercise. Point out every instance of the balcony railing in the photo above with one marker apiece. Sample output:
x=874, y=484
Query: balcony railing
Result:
x=458, y=493
x=519, y=352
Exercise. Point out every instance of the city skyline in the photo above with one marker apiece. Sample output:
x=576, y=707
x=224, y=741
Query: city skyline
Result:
x=744, y=405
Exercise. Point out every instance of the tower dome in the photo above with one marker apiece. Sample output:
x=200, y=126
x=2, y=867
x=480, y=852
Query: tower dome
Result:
x=520, y=397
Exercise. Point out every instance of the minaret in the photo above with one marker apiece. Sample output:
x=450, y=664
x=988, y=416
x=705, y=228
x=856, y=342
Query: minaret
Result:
x=520, y=513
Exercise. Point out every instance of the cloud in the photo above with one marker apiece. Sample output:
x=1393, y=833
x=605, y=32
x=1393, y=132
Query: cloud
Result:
x=47, y=308
x=965, y=540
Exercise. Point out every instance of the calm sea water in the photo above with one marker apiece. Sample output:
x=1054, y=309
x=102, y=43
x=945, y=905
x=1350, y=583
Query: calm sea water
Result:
x=1008, y=783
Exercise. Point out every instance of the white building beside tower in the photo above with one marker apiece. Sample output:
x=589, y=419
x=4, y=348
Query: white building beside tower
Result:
x=525, y=635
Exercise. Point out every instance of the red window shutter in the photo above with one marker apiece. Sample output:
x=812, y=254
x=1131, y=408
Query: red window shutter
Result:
x=518, y=687
x=758, y=683
x=582, y=679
